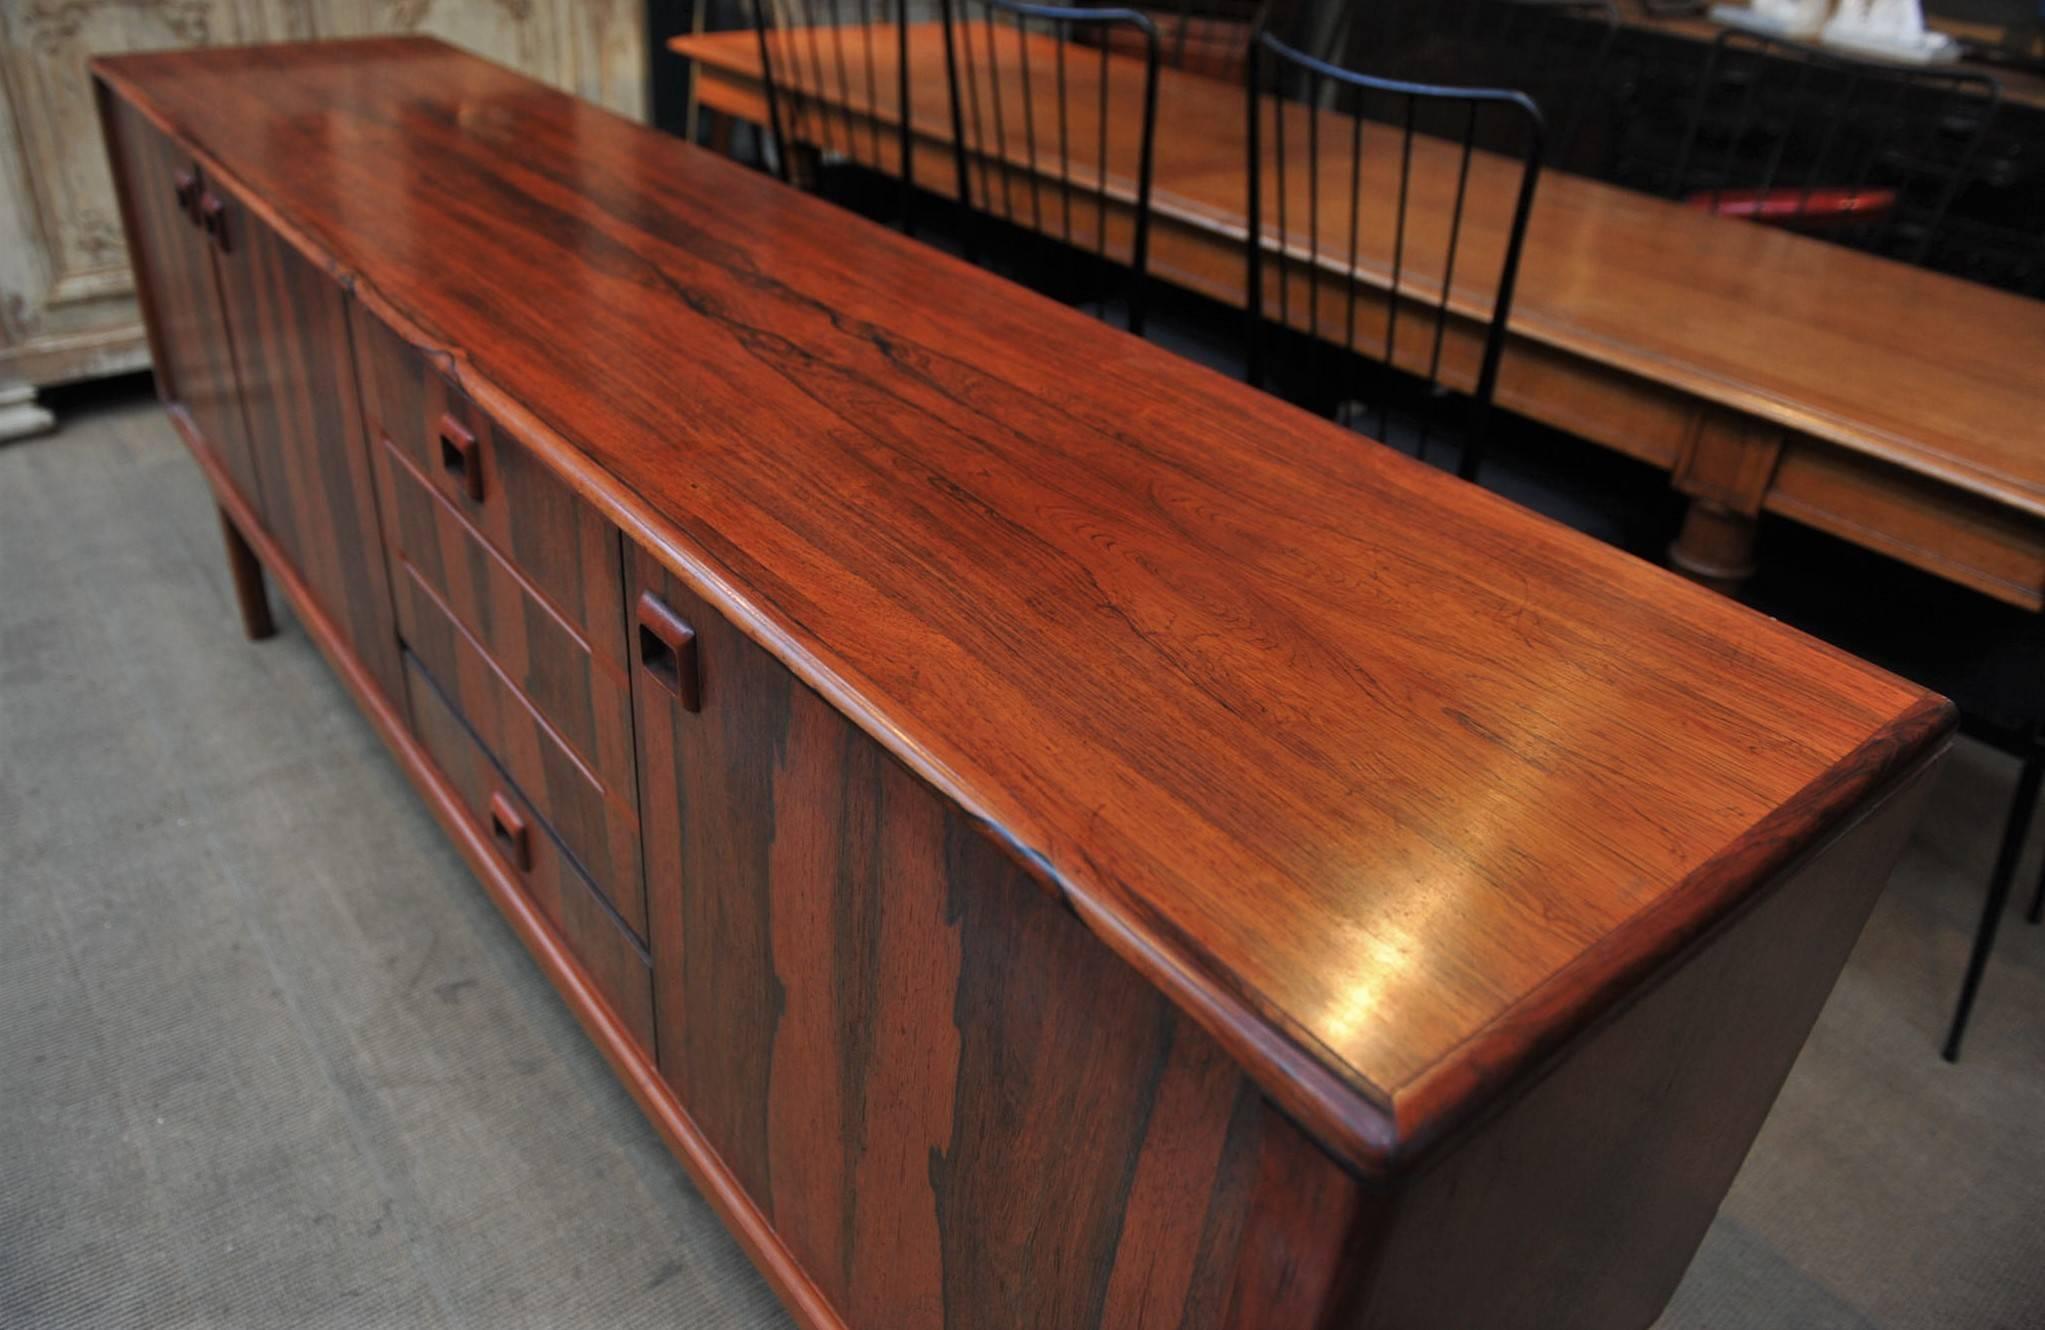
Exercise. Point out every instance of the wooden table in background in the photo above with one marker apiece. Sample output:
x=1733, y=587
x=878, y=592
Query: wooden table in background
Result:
x=1766, y=372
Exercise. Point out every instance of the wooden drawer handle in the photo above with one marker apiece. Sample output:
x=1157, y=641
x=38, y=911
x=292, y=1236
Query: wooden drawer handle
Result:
x=186, y=186
x=461, y=458
x=508, y=831
x=213, y=217
x=667, y=651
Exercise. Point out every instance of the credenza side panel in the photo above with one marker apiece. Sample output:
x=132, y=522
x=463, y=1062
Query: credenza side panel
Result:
x=174, y=269
x=954, y=1105
x=1582, y=1202
x=289, y=322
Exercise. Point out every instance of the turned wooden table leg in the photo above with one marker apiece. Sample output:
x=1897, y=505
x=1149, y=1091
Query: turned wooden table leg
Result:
x=1715, y=546
x=247, y=572
x=1726, y=467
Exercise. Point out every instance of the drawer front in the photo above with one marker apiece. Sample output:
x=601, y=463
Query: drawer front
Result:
x=528, y=847
x=581, y=691
x=598, y=827
x=564, y=549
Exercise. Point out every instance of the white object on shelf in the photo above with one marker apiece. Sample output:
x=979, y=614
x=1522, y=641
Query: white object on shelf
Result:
x=1888, y=30
x=1776, y=18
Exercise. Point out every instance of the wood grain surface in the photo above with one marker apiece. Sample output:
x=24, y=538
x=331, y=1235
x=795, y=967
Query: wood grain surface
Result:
x=542, y=868
x=525, y=630
x=1387, y=784
x=955, y=1107
x=288, y=323
x=188, y=330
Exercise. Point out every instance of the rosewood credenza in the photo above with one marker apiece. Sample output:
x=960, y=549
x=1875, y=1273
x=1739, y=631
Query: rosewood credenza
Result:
x=1052, y=837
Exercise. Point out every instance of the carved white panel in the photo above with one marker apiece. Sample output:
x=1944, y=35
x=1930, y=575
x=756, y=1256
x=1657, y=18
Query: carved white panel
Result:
x=593, y=48
x=67, y=306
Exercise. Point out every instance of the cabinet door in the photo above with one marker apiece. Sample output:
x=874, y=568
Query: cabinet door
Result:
x=953, y=1103
x=293, y=357
x=161, y=189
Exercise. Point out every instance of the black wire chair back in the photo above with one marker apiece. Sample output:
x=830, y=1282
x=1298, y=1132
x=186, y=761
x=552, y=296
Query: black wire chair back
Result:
x=838, y=79
x=1863, y=153
x=1382, y=257
x=1054, y=127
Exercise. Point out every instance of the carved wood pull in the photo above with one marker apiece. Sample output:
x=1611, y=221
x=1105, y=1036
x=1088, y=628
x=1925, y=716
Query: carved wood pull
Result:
x=213, y=217
x=508, y=831
x=461, y=458
x=667, y=651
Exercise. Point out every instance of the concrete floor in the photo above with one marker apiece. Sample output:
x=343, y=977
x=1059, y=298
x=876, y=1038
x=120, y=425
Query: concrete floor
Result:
x=268, y=1058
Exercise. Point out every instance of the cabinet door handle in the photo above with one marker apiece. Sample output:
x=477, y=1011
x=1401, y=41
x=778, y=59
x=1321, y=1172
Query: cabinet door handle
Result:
x=667, y=651
x=508, y=832
x=461, y=458
x=186, y=186
x=213, y=217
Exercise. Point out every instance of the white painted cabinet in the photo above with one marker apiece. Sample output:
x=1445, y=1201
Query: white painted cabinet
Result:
x=67, y=300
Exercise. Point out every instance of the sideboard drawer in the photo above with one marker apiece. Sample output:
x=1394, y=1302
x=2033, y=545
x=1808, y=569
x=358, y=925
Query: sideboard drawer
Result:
x=560, y=545
x=575, y=686
x=598, y=827
x=529, y=848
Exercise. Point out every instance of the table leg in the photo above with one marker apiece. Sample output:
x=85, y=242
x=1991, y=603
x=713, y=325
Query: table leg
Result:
x=805, y=166
x=1715, y=546
x=247, y=572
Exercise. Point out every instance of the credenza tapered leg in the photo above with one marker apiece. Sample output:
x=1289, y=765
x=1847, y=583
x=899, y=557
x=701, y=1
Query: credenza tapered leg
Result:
x=248, y=582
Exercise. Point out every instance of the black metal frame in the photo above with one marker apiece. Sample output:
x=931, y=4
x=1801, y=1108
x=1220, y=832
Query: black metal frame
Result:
x=2009, y=857
x=785, y=97
x=1950, y=90
x=1063, y=22
x=1318, y=73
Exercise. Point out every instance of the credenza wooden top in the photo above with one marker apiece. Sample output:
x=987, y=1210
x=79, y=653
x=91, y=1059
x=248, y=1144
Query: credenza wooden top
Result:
x=1390, y=783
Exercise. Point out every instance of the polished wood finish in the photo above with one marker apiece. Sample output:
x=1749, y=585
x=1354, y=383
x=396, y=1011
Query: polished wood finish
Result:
x=510, y=589
x=1574, y=1166
x=625, y=1048
x=511, y=832
x=188, y=329
x=538, y=861
x=288, y=323
x=596, y=824
x=667, y=651
x=501, y=493
x=1139, y=855
x=576, y=687
x=1274, y=703
x=1635, y=320
x=815, y=903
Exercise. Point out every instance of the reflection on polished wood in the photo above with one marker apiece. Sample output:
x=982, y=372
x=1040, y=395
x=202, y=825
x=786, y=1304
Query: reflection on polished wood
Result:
x=1901, y=408
x=1113, y=845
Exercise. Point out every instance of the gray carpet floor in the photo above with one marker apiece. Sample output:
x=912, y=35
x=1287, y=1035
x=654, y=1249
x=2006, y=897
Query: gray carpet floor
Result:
x=269, y=1058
